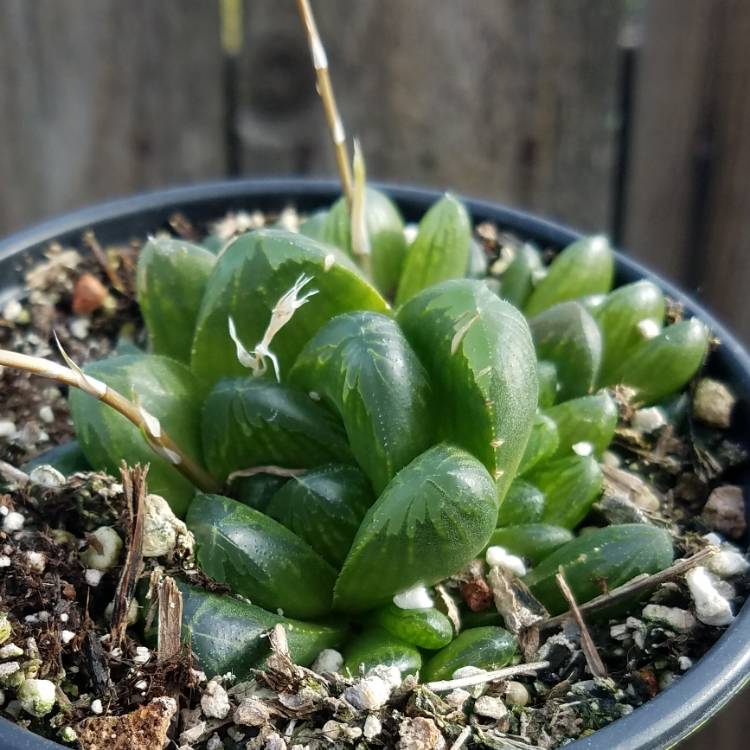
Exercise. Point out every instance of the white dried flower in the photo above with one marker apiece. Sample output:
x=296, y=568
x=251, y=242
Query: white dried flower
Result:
x=111, y=546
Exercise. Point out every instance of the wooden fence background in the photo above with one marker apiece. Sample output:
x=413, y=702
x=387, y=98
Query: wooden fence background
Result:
x=628, y=116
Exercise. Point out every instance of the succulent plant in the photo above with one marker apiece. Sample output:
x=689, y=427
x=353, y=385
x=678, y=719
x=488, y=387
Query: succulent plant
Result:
x=340, y=442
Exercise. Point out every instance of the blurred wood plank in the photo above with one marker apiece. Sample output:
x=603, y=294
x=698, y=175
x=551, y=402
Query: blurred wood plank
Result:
x=689, y=206
x=104, y=98
x=511, y=100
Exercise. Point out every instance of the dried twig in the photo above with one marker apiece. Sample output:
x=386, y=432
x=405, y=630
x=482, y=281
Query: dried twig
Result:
x=461, y=739
x=594, y=661
x=635, y=586
x=170, y=619
x=277, y=471
x=90, y=241
x=12, y=474
x=480, y=679
x=325, y=89
x=147, y=423
x=134, y=486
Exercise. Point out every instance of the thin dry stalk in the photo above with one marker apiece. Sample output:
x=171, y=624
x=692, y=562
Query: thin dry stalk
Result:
x=636, y=586
x=90, y=241
x=440, y=686
x=325, y=89
x=152, y=431
x=134, y=487
x=594, y=661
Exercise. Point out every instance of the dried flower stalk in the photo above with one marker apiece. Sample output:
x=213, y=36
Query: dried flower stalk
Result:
x=325, y=89
x=149, y=425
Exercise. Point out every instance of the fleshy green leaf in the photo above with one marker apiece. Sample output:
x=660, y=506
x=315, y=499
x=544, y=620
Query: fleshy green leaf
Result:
x=666, y=363
x=547, y=374
x=568, y=336
x=534, y=541
x=610, y=556
x=478, y=352
x=361, y=364
x=619, y=317
x=259, y=558
x=570, y=485
x=250, y=422
x=315, y=226
x=325, y=507
x=256, y=490
x=426, y=628
x=440, y=250
x=588, y=419
x=168, y=391
x=386, y=230
x=518, y=279
x=376, y=647
x=523, y=503
x=486, y=648
x=67, y=458
x=171, y=278
x=433, y=518
x=543, y=442
x=250, y=277
x=230, y=635
x=583, y=268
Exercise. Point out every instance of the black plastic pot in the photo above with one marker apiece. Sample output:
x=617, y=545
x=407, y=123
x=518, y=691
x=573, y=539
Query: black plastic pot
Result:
x=664, y=721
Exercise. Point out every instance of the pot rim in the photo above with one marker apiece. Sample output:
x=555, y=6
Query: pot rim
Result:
x=663, y=721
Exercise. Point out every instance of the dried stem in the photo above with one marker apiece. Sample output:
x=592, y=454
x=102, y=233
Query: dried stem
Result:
x=480, y=679
x=635, y=586
x=359, y=232
x=89, y=239
x=325, y=89
x=152, y=431
x=594, y=661
x=170, y=619
x=134, y=487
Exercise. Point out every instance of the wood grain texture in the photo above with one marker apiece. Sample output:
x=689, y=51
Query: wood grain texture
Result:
x=105, y=98
x=510, y=100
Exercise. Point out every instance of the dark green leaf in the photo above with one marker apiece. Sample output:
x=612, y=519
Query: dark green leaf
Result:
x=667, y=362
x=171, y=278
x=376, y=647
x=67, y=458
x=486, y=648
x=250, y=422
x=229, y=635
x=166, y=389
x=256, y=490
x=523, y=503
x=386, y=230
x=259, y=558
x=547, y=374
x=543, y=442
x=583, y=268
x=588, y=419
x=534, y=541
x=571, y=486
x=478, y=352
x=518, y=279
x=568, y=336
x=426, y=628
x=619, y=317
x=361, y=365
x=610, y=556
x=433, y=518
x=325, y=507
x=250, y=277
x=440, y=250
